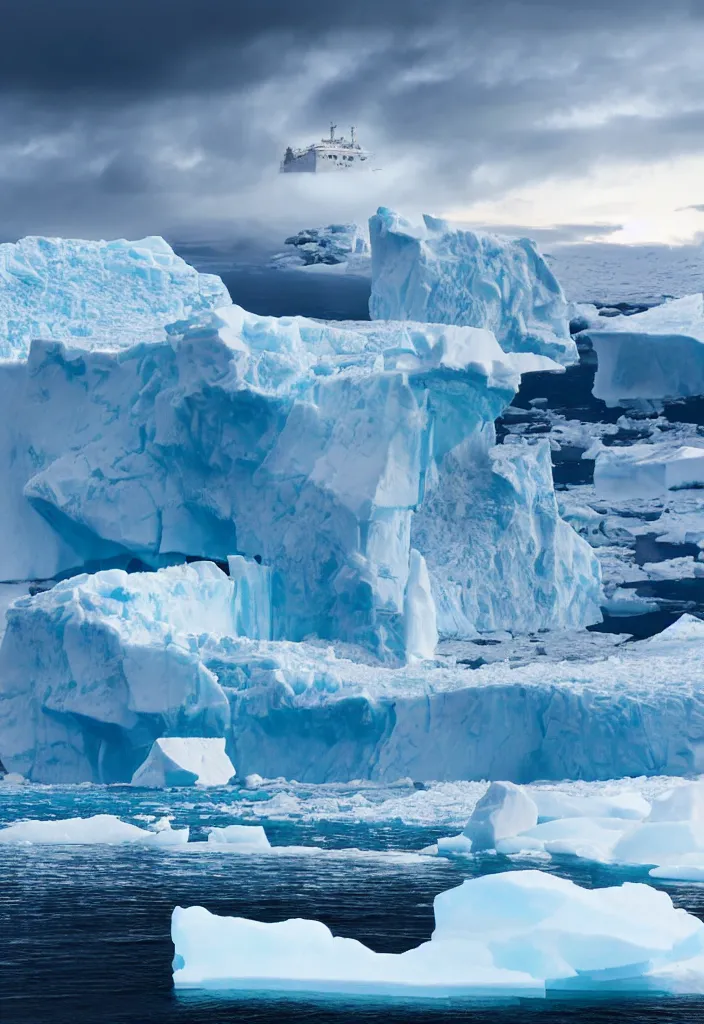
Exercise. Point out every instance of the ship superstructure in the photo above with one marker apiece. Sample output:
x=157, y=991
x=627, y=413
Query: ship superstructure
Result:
x=331, y=154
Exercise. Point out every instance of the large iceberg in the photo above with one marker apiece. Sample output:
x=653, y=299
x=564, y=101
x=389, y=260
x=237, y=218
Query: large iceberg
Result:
x=652, y=356
x=521, y=933
x=441, y=273
x=304, y=446
x=96, y=669
x=98, y=294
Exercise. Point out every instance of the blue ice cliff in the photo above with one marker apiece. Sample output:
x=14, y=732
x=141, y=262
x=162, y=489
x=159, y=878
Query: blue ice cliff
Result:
x=95, y=670
x=441, y=273
x=100, y=294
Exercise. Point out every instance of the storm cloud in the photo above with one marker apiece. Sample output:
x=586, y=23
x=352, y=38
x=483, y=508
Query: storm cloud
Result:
x=146, y=116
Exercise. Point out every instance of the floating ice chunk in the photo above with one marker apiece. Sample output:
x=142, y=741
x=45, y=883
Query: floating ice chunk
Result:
x=651, y=356
x=104, y=295
x=521, y=932
x=591, y=839
x=12, y=779
x=647, y=470
x=342, y=246
x=660, y=842
x=440, y=273
x=185, y=761
x=504, y=810
x=244, y=838
x=98, y=829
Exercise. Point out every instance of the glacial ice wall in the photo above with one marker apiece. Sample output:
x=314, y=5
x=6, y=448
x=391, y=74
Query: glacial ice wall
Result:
x=440, y=273
x=499, y=555
x=304, y=445
x=98, y=294
x=96, y=669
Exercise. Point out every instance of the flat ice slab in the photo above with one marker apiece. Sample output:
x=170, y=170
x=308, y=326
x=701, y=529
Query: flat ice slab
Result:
x=185, y=761
x=648, y=470
x=517, y=933
x=98, y=829
x=651, y=356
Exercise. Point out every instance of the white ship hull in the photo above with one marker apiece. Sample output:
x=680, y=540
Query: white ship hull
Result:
x=329, y=156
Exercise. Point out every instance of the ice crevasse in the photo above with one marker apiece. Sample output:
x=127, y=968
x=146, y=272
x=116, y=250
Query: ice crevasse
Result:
x=311, y=448
x=517, y=933
x=171, y=663
x=441, y=273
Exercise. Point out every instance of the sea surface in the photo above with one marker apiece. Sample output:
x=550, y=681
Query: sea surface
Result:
x=85, y=931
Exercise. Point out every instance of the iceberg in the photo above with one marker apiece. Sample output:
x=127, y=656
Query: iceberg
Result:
x=648, y=470
x=242, y=838
x=653, y=356
x=96, y=669
x=304, y=447
x=185, y=761
x=106, y=295
x=98, y=829
x=441, y=273
x=516, y=933
x=504, y=810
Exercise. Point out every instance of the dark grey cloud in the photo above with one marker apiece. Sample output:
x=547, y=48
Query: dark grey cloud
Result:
x=128, y=116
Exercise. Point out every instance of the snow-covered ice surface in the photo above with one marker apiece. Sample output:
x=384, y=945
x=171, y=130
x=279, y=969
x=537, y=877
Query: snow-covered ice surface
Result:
x=97, y=294
x=441, y=273
x=524, y=932
x=648, y=471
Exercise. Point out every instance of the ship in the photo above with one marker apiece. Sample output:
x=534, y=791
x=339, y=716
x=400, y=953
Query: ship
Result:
x=331, y=154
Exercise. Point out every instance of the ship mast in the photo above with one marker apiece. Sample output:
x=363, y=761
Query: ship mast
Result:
x=332, y=131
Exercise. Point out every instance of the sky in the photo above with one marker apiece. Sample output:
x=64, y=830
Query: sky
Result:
x=564, y=119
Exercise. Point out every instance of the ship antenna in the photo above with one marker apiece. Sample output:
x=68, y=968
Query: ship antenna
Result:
x=332, y=131
x=352, y=131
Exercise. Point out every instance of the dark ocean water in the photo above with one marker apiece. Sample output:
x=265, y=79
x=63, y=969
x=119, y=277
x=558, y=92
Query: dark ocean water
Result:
x=85, y=931
x=85, y=936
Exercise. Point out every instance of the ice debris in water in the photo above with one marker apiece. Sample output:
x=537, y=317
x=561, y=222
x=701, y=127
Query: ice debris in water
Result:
x=651, y=356
x=441, y=273
x=666, y=836
x=309, y=448
x=520, y=932
x=98, y=829
x=185, y=761
x=99, y=294
x=243, y=838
